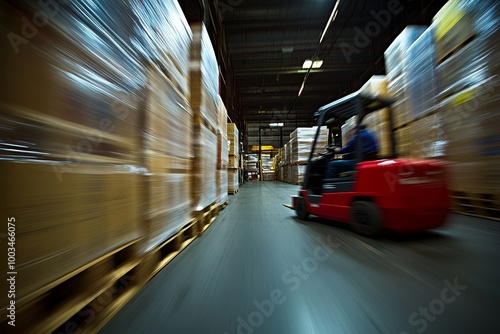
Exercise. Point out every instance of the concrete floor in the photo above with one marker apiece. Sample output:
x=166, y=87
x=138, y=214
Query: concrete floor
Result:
x=258, y=269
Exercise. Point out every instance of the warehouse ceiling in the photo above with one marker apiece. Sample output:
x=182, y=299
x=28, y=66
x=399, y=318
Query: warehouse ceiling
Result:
x=267, y=42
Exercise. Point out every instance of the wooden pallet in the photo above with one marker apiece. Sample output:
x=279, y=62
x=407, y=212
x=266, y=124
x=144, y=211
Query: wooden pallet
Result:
x=479, y=205
x=233, y=192
x=82, y=299
x=156, y=259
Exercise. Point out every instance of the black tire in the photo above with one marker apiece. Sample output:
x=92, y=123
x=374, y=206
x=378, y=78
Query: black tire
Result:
x=366, y=218
x=300, y=208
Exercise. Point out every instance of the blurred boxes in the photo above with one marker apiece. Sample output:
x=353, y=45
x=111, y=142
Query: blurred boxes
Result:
x=205, y=102
x=467, y=40
x=395, y=56
x=298, y=172
x=162, y=35
x=233, y=181
x=233, y=136
x=375, y=86
x=472, y=126
x=300, y=145
x=63, y=225
x=411, y=73
x=421, y=78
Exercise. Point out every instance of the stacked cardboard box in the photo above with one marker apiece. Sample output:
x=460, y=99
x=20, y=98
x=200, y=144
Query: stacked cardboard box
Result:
x=250, y=165
x=301, y=140
x=69, y=155
x=398, y=77
x=222, y=154
x=234, y=157
x=467, y=39
x=167, y=157
x=417, y=118
x=377, y=122
x=298, y=173
x=204, y=102
x=166, y=149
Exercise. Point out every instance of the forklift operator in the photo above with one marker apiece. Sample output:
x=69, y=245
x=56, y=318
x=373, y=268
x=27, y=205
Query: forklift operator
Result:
x=370, y=147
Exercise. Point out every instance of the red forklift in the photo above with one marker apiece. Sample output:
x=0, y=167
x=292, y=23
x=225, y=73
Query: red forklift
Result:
x=381, y=193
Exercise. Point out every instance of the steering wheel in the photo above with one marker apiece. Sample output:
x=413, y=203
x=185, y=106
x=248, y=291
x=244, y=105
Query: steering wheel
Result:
x=331, y=147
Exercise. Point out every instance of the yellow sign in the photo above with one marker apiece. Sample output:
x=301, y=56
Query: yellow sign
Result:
x=448, y=17
x=264, y=148
x=463, y=97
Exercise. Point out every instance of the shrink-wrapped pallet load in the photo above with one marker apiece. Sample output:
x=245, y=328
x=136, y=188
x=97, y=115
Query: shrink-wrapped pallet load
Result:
x=204, y=84
x=70, y=140
x=222, y=154
x=396, y=65
x=301, y=140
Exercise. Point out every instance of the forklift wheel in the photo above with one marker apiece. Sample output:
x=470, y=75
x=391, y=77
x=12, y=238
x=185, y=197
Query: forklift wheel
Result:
x=366, y=218
x=300, y=208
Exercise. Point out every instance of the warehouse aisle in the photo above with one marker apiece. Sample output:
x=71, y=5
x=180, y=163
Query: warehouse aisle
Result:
x=258, y=269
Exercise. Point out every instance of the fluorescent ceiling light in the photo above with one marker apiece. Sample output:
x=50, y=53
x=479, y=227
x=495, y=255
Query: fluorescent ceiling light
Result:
x=287, y=49
x=308, y=63
x=302, y=88
x=330, y=20
x=317, y=63
x=276, y=125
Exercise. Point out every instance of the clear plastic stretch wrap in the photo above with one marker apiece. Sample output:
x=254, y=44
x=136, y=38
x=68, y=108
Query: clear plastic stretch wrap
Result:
x=460, y=21
x=223, y=141
x=302, y=140
x=70, y=99
x=289, y=154
x=170, y=208
x=289, y=174
x=204, y=75
x=396, y=64
x=205, y=166
x=162, y=35
x=298, y=173
x=223, y=186
x=472, y=119
x=267, y=162
x=233, y=136
x=428, y=137
x=233, y=181
x=168, y=118
x=468, y=46
x=251, y=162
x=74, y=90
x=64, y=223
x=395, y=56
x=421, y=79
x=285, y=158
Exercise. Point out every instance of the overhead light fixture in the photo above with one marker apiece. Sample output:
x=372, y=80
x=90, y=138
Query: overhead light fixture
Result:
x=275, y=125
x=302, y=87
x=287, y=49
x=308, y=63
x=330, y=20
